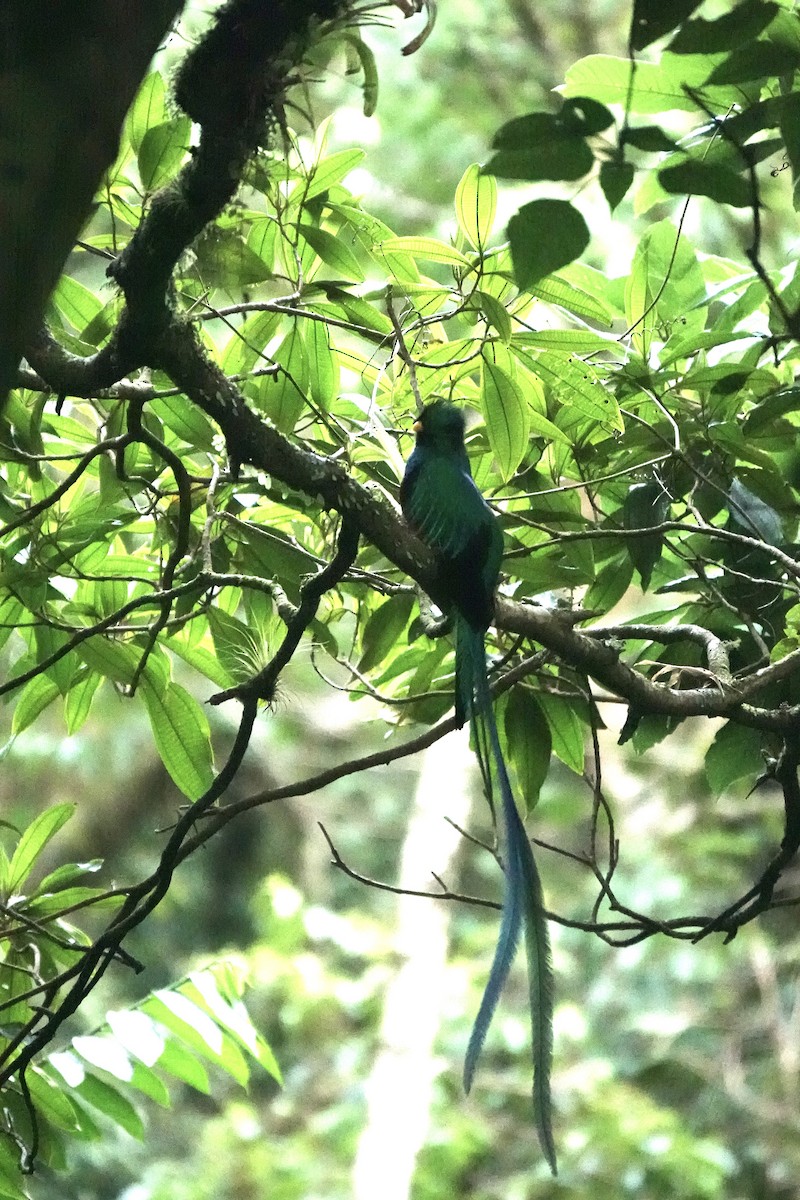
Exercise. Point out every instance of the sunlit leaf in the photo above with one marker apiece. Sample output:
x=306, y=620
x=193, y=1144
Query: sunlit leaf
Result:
x=476, y=205
x=33, y=841
x=507, y=417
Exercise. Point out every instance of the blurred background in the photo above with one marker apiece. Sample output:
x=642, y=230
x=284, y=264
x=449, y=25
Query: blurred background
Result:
x=676, y=1066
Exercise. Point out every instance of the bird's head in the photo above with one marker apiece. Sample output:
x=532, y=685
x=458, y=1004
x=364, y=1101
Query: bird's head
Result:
x=440, y=426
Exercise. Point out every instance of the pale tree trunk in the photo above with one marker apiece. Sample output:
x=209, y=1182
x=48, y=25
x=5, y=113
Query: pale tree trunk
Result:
x=400, y=1088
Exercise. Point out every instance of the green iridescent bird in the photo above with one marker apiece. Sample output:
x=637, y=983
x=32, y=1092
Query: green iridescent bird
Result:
x=443, y=505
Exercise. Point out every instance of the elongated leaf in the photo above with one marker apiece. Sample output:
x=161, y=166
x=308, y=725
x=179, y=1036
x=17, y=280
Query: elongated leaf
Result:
x=735, y=754
x=197, y=1030
x=333, y=250
x=425, y=248
x=283, y=396
x=326, y=173
x=148, y=109
x=162, y=151
x=78, y=700
x=743, y=23
x=202, y=990
x=646, y=504
x=182, y=737
x=76, y=303
x=507, y=417
x=529, y=742
x=476, y=205
x=756, y=60
x=323, y=365
x=577, y=388
x=556, y=289
x=33, y=841
x=567, y=731
x=383, y=630
x=34, y=698
x=615, y=180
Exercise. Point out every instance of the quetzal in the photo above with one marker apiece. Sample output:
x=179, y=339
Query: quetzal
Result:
x=443, y=505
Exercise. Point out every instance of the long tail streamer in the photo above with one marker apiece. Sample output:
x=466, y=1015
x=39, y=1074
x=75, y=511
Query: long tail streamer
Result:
x=523, y=902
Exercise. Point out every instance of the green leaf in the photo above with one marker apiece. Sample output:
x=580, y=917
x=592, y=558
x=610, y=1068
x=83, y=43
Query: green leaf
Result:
x=578, y=389
x=540, y=146
x=737, y=27
x=529, y=743
x=476, y=206
x=109, y=658
x=610, y=586
x=790, y=132
x=283, y=396
x=650, y=138
x=654, y=87
x=78, y=700
x=323, y=365
x=238, y=648
x=148, y=109
x=555, y=289
x=756, y=60
x=232, y=1016
x=33, y=841
x=750, y=514
x=567, y=731
x=714, y=180
x=76, y=303
x=184, y=419
x=333, y=250
x=653, y=18
x=52, y=1103
x=646, y=504
x=111, y=1103
x=615, y=180
x=162, y=151
x=506, y=414
x=182, y=736
x=496, y=314
x=34, y=698
x=201, y=658
x=734, y=754
x=65, y=876
x=327, y=172
x=426, y=248
x=196, y=1029
x=545, y=235
x=383, y=630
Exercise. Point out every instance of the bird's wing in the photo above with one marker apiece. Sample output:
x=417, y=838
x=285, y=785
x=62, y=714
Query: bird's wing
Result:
x=443, y=504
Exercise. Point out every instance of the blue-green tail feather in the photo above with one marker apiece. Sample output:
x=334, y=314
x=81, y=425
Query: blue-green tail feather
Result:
x=523, y=904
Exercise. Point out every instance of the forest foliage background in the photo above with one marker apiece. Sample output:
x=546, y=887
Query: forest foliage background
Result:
x=632, y=376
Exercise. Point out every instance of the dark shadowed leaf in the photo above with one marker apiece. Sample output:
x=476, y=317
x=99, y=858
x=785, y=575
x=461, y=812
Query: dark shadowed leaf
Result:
x=529, y=743
x=734, y=754
x=702, y=36
x=545, y=235
x=646, y=504
x=615, y=180
x=653, y=18
x=756, y=60
x=717, y=182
